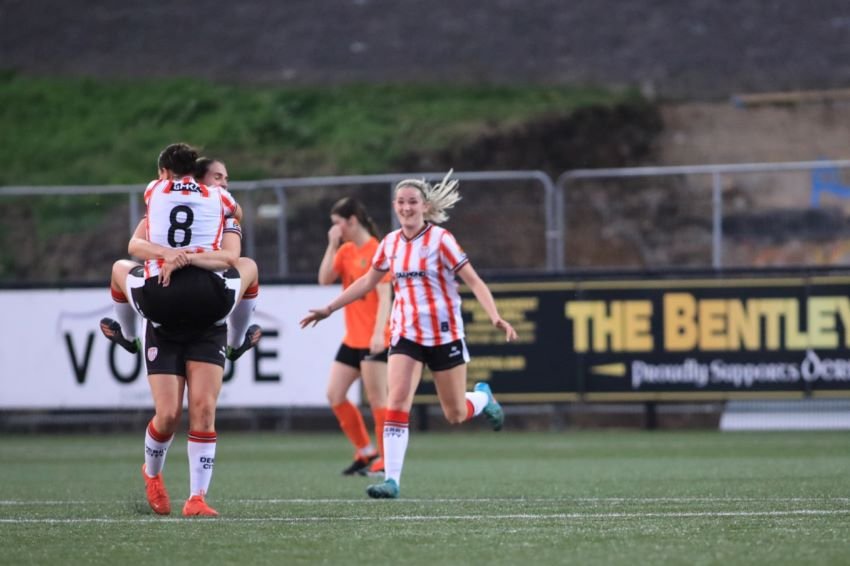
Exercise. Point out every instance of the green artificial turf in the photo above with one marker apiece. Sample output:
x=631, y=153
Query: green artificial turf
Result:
x=617, y=497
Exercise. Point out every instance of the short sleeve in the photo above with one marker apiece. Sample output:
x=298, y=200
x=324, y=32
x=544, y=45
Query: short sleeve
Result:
x=452, y=255
x=340, y=257
x=228, y=202
x=232, y=226
x=381, y=261
x=149, y=191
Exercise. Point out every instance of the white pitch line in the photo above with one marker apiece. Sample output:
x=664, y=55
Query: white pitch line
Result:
x=562, y=500
x=320, y=501
x=430, y=518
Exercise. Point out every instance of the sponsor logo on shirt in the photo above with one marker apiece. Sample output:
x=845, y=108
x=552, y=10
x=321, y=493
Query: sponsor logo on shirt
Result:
x=409, y=274
x=188, y=187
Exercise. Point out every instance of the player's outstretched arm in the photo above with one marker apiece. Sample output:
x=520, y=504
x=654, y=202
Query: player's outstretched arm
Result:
x=485, y=297
x=355, y=291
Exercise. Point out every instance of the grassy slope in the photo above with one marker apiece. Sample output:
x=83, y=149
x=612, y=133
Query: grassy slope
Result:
x=610, y=497
x=79, y=131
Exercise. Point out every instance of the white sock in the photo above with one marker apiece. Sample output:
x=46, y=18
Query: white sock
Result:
x=239, y=321
x=156, y=447
x=127, y=317
x=479, y=400
x=201, y=451
x=396, y=430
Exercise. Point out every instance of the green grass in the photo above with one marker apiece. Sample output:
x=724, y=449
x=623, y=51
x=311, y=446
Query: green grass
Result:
x=83, y=131
x=467, y=498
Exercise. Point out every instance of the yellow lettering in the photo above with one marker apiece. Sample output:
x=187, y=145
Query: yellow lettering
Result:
x=712, y=324
x=772, y=311
x=638, y=329
x=844, y=316
x=680, y=329
x=605, y=325
x=822, y=318
x=581, y=313
x=618, y=326
x=794, y=339
x=744, y=325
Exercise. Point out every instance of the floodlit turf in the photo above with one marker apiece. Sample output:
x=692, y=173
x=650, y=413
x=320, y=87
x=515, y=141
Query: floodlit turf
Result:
x=466, y=498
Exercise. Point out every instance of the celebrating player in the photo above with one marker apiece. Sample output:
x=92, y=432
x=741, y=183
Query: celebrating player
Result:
x=191, y=281
x=423, y=259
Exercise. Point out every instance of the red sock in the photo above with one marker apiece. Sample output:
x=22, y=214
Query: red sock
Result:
x=470, y=409
x=117, y=295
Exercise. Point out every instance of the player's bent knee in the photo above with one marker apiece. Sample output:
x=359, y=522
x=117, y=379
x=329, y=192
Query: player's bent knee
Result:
x=455, y=417
x=167, y=421
x=247, y=268
x=333, y=399
x=202, y=417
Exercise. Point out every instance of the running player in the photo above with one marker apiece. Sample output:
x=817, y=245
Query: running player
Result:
x=427, y=327
x=352, y=241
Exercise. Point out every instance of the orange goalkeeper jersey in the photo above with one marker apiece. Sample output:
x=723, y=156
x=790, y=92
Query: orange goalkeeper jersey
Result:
x=350, y=262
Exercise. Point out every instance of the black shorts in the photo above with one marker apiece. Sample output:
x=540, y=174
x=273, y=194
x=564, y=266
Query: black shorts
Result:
x=437, y=358
x=195, y=299
x=353, y=356
x=167, y=352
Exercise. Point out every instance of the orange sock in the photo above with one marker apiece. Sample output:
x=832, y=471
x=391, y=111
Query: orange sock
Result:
x=379, y=414
x=351, y=423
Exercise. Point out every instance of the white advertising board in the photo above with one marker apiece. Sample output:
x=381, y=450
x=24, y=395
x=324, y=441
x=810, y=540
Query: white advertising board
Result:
x=53, y=355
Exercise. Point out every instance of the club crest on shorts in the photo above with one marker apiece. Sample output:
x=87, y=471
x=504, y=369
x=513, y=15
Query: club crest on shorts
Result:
x=152, y=352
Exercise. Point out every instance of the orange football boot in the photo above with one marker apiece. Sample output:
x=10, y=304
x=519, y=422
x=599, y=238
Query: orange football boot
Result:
x=196, y=507
x=157, y=495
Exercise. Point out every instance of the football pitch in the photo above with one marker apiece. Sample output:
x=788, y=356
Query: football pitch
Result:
x=575, y=497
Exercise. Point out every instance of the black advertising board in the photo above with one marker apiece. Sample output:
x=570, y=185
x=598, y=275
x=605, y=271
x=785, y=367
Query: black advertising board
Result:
x=663, y=340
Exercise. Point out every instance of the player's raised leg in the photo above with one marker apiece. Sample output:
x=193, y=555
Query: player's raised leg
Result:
x=241, y=334
x=123, y=329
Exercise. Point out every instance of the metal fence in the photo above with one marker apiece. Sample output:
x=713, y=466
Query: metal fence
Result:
x=716, y=173
x=642, y=217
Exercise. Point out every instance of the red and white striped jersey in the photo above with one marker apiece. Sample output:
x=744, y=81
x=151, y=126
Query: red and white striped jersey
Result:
x=426, y=307
x=185, y=214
